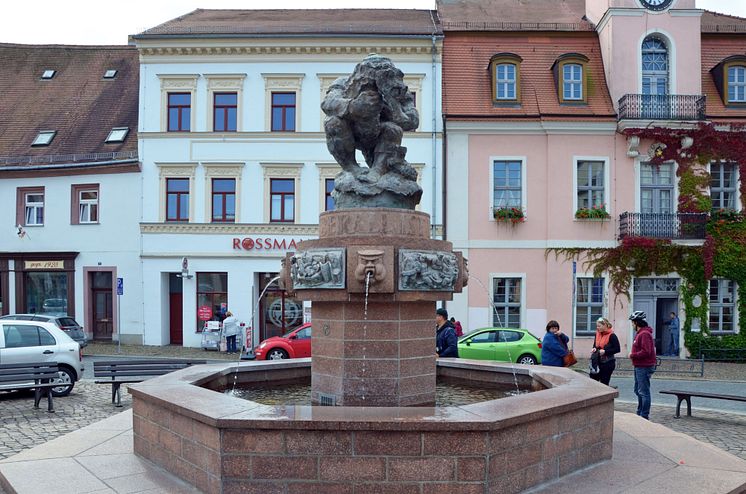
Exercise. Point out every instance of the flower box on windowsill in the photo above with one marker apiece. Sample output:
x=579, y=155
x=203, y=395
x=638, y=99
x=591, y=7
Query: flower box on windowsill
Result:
x=508, y=215
x=596, y=213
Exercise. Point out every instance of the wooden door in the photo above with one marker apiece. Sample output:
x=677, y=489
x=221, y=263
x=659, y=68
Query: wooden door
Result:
x=175, y=312
x=103, y=314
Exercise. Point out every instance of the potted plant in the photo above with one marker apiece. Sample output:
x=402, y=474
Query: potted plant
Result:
x=508, y=215
x=593, y=213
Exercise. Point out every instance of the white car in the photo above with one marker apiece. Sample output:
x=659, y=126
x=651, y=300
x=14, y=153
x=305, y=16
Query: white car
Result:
x=26, y=342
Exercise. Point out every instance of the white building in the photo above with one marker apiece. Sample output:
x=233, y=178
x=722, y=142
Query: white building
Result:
x=70, y=186
x=234, y=157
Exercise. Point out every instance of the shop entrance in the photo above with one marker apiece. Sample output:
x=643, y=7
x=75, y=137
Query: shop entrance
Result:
x=278, y=312
x=102, y=309
x=175, y=309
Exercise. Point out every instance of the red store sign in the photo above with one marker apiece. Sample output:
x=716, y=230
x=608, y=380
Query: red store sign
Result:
x=264, y=243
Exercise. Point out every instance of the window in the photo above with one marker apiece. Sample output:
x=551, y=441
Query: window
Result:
x=737, y=84
x=179, y=112
x=654, y=66
x=44, y=138
x=282, y=200
x=722, y=306
x=48, y=74
x=34, y=209
x=507, y=184
x=572, y=82
x=117, y=134
x=84, y=204
x=212, y=294
x=110, y=74
x=589, y=305
x=223, y=200
x=485, y=337
x=723, y=185
x=46, y=292
x=20, y=336
x=177, y=199
x=328, y=199
x=283, y=112
x=590, y=184
x=509, y=336
x=225, y=112
x=506, y=80
x=505, y=72
x=506, y=302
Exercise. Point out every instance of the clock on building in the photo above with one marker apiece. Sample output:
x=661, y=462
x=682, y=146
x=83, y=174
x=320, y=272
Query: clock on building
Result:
x=656, y=4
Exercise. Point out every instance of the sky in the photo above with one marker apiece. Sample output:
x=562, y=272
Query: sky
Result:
x=92, y=22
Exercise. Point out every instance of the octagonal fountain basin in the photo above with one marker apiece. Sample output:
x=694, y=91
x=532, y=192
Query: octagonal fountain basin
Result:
x=224, y=444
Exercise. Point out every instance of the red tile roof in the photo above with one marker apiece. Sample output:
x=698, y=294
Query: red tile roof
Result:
x=513, y=15
x=77, y=102
x=467, y=82
x=715, y=49
x=713, y=22
x=406, y=22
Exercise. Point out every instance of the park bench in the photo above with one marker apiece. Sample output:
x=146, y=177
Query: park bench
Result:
x=37, y=376
x=120, y=372
x=687, y=395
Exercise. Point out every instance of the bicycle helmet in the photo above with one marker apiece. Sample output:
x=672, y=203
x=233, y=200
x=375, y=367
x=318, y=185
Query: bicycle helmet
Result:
x=638, y=315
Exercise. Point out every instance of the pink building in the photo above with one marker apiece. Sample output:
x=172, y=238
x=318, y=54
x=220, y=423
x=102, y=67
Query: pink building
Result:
x=546, y=106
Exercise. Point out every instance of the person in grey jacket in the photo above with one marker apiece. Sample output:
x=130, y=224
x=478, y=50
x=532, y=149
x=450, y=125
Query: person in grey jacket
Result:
x=230, y=331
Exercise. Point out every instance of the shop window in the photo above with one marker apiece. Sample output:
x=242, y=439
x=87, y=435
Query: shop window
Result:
x=283, y=112
x=85, y=204
x=225, y=112
x=46, y=293
x=589, y=305
x=179, y=112
x=328, y=199
x=282, y=200
x=212, y=297
x=177, y=199
x=223, y=200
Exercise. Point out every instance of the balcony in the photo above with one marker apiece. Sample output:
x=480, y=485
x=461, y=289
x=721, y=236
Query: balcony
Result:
x=672, y=226
x=662, y=107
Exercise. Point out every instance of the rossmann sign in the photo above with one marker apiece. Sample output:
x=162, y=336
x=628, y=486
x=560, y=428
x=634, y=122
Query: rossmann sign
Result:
x=265, y=243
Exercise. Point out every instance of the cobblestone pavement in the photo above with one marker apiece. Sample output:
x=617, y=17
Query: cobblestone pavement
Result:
x=23, y=427
x=726, y=431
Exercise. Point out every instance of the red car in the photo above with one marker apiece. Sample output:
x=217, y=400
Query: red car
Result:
x=295, y=344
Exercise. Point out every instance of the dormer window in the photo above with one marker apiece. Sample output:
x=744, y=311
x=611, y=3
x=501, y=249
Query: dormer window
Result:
x=44, y=138
x=730, y=80
x=117, y=134
x=48, y=74
x=506, y=78
x=569, y=74
x=110, y=74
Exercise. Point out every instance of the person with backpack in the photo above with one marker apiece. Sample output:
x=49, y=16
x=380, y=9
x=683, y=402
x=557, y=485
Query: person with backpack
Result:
x=643, y=360
x=457, y=327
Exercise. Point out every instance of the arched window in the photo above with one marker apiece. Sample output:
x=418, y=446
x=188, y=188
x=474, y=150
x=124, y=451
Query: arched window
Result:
x=737, y=84
x=654, y=66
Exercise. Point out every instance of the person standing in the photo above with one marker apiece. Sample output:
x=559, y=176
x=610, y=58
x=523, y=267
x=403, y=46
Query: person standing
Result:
x=457, y=327
x=554, y=346
x=643, y=360
x=230, y=331
x=606, y=345
x=674, y=328
x=446, y=343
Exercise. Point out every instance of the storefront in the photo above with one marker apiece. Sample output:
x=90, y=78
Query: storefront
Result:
x=43, y=283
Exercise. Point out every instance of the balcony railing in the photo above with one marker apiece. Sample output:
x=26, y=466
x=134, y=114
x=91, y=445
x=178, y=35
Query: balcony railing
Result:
x=662, y=107
x=673, y=226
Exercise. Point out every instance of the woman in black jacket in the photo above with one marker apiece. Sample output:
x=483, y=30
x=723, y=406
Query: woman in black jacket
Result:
x=605, y=346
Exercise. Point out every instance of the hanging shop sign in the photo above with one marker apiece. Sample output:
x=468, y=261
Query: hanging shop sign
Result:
x=265, y=243
x=44, y=264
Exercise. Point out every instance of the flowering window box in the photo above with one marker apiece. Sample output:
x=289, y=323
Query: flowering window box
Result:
x=593, y=213
x=508, y=215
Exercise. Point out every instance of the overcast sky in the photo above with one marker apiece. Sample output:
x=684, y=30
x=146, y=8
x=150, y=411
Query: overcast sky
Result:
x=93, y=22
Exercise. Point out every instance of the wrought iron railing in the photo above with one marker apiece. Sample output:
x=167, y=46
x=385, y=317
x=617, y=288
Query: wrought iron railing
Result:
x=662, y=107
x=674, y=226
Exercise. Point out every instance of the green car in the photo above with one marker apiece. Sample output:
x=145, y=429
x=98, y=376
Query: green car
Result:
x=501, y=344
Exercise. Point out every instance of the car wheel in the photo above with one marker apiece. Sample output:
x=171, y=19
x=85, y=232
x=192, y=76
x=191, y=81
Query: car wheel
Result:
x=66, y=379
x=277, y=354
x=527, y=359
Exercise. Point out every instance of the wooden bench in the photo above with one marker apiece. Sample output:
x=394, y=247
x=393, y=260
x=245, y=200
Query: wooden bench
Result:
x=687, y=395
x=121, y=372
x=37, y=376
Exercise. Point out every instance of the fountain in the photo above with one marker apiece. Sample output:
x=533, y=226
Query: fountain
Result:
x=374, y=276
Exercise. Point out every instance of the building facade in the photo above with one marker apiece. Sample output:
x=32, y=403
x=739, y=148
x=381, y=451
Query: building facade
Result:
x=235, y=165
x=70, y=186
x=551, y=151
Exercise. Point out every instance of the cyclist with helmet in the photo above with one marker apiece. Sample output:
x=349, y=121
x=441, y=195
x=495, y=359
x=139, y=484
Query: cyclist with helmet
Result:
x=643, y=359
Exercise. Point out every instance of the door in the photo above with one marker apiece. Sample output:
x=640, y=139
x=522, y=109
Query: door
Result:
x=647, y=305
x=102, y=313
x=27, y=343
x=655, y=103
x=280, y=314
x=656, y=201
x=481, y=346
x=175, y=309
x=508, y=345
x=663, y=337
x=302, y=343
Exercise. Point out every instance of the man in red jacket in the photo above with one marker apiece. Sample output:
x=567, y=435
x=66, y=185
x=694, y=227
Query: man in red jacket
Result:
x=644, y=360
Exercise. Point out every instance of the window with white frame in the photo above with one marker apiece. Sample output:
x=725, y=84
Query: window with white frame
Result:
x=589, y=305
x=505, y=80
x=507, y=182
x=723, y=185
x=590, y=184
x=737, y=84
x=572, y=82
x=88, y=206
x=722, y=306
x=34, y=205
x=506, y=302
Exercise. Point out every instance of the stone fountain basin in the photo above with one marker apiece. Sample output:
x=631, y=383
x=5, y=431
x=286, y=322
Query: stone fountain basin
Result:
x=223, y=444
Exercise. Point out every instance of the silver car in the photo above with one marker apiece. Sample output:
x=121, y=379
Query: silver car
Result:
x=64, y=322
x=26, y=342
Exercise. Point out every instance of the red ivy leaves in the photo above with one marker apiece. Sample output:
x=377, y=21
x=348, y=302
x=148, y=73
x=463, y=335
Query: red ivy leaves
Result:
x=708, y=255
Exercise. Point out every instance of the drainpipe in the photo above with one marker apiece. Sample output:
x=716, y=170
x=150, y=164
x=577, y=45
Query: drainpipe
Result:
x=433, y=218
